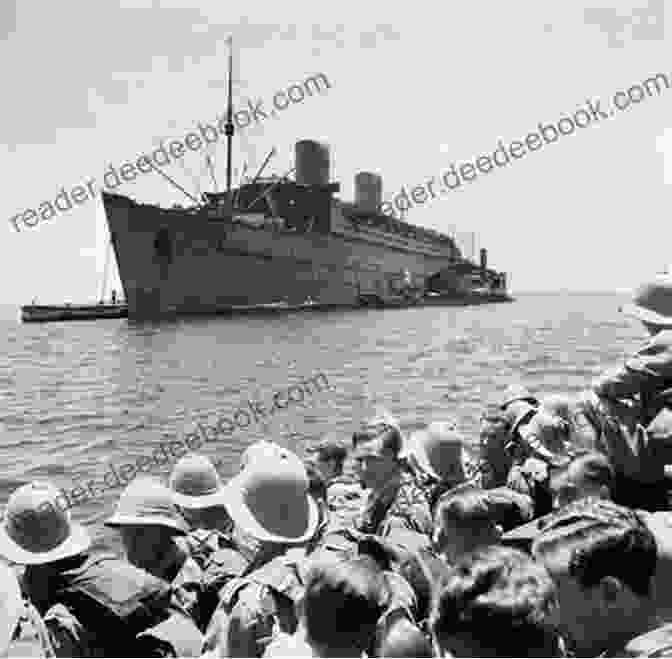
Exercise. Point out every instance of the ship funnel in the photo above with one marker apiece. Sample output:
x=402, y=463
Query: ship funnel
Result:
x=368, y=192
x=484, y=258
x=312, y=163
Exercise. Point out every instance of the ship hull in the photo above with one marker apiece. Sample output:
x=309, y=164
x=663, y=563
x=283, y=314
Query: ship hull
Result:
x=187, y=262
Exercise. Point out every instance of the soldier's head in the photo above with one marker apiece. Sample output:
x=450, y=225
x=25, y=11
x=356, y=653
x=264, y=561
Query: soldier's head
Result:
x=376, y=455
x=587, y=475
x=402, y=638
x=495, y=444
x=439, y=452
x=496, y=602
x=329, y=456
x=342, y=604
x=652, y=303
x=147, y=520
x=270, y=502
x=464, y=521
x=602, y=558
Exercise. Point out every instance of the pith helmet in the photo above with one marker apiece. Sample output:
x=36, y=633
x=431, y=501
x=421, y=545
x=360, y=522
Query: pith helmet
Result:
x=652, y=302
x=36, y=530
x=381, y=417
x=260, y=448
x=516, y=392
x=11, y=607
x=439, y=451
x=146, y=501
x=269, y=499
x=560, y=405
x=517, y=404
x=195, y=482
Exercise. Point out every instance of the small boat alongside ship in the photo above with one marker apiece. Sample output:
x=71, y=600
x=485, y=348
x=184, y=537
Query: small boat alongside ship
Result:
x=114, y=308
x=42, y=313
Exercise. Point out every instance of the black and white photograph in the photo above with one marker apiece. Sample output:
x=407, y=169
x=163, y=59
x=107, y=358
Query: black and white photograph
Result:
x=335, y=330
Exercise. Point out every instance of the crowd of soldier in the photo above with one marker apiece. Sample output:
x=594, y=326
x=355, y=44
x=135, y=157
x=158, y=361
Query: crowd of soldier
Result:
x=554, y=539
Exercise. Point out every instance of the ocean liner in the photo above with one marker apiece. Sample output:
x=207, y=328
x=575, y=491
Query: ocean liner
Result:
x=275, y=242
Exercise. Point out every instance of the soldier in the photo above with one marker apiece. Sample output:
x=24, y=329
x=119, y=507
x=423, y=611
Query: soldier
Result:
x=496, y=602
x=533, y=440
x=648, y=372
x=344, y=494
x=149, y=524
x=340, y=611
x=25, y=633
x=394, y=496
x=587, y=475
x=108, y=607
x=274, y=518
x=473, y=518
x=329, y=456
x=603, y=559
x=198, y=493
x=508, y=436
x=439, y=459
x=628, y=413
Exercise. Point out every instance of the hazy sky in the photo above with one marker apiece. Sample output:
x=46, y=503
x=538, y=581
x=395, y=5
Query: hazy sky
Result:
x=414, y=87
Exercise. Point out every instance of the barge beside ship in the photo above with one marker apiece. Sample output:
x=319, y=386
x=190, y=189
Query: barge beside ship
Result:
x=43, y=313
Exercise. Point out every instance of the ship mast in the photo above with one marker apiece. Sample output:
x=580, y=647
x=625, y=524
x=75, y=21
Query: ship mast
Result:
x=228, y=130
x=208, y=160
x=103, y=284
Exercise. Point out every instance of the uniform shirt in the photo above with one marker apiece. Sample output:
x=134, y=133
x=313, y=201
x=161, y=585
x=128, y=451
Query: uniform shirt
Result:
x=250, y=614
x=613, y=427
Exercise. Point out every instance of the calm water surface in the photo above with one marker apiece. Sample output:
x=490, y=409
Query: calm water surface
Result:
x=79, y=397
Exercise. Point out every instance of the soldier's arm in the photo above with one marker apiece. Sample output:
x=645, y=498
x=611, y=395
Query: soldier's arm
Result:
x=649, y=368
